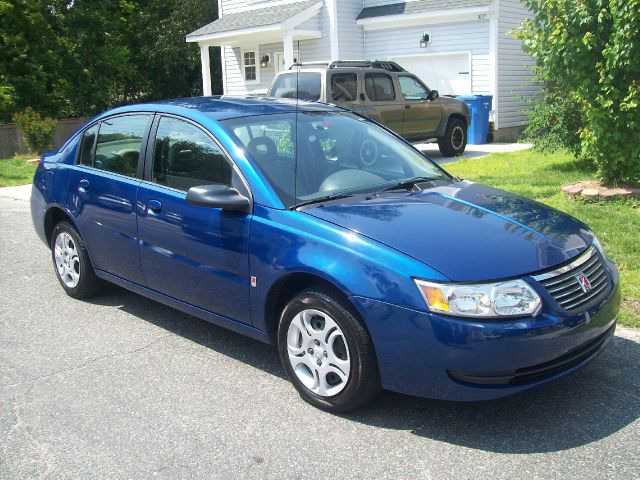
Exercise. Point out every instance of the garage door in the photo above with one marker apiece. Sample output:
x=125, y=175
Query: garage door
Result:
x=449, y=74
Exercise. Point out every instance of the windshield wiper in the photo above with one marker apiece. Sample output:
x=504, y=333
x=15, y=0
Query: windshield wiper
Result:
x=410, y=183
x=327, y=198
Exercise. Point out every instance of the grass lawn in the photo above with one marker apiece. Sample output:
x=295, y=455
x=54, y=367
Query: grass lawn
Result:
x=16, y=171
x=539, y=176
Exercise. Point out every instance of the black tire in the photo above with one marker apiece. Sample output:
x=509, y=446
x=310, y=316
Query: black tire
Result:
x=364, y=379
x=88, y=283
x=454, y=141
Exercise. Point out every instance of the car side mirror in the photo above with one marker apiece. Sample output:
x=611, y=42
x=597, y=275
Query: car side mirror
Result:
x=217, y=196
x=434, y=95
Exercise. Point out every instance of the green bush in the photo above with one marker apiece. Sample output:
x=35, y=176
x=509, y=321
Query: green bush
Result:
x=38, y=130
x=555, y=121
x=590, y=50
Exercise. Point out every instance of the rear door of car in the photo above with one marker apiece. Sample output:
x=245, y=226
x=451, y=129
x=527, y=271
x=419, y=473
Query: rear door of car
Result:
x=422, y=116
x=381, y=101
x=343, y=88
x=102, y=192
x=197, y=255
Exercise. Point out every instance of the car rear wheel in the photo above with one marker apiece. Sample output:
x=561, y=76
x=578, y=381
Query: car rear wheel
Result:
x=326, y=352
x=454, y=141
x=71, y=262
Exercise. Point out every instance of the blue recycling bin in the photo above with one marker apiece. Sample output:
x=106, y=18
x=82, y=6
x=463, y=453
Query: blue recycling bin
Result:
x=479, y=107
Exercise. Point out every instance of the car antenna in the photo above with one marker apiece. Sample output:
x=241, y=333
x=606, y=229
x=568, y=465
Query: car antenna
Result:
x=295, y=145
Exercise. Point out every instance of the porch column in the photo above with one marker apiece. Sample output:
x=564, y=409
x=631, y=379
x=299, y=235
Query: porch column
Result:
x=288, y=50
x=206, y=70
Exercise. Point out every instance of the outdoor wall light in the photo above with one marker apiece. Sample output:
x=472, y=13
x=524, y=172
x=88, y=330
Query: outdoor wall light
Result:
x=264, y=61
x=424, y=41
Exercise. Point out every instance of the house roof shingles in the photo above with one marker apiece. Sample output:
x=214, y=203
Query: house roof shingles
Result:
x=418, y=7
x=253, y=18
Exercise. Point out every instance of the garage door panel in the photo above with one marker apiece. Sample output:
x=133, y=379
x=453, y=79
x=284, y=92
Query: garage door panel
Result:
x=450, y=74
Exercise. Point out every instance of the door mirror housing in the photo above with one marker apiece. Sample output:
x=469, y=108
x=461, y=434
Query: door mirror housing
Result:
x=434, y=95
x=218, y=196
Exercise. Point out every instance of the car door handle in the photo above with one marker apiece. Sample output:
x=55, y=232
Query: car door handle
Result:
x=154, y=206
x=83, y=185
x=407, y=107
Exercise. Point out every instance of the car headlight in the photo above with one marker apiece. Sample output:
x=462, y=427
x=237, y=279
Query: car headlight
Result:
x=598, y=245
x=503, y=299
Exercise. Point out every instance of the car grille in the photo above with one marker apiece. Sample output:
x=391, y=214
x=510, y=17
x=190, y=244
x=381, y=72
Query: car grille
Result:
x=565, y=287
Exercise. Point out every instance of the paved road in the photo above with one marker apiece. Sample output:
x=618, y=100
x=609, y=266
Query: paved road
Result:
x=122, y=387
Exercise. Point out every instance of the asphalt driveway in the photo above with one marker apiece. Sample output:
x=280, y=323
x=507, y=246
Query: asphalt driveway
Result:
x=122, y=387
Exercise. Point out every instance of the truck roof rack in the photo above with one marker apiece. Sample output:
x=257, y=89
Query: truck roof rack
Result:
x=309, y=64
x=382, y=64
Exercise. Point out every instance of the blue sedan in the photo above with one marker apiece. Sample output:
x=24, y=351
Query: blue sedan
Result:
x=312, y=228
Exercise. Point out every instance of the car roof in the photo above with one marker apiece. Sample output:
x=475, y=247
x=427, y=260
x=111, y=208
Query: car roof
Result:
x=226, y=107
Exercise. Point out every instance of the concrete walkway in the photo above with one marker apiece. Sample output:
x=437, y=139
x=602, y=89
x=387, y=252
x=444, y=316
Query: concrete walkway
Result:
x=19, y=192
x=472, y=151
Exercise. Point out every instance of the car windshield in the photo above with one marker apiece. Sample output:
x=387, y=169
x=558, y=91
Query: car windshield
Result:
x=310, y=156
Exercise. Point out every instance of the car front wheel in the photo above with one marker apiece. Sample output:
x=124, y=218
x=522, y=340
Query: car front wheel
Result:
x=454, y=141
x=71, y=262
x=326, y=352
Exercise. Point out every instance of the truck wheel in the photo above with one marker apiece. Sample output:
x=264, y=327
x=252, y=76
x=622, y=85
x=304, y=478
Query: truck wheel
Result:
x=455, y=138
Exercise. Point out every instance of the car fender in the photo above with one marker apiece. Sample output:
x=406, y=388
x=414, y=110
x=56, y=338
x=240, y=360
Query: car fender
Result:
x=285, y=242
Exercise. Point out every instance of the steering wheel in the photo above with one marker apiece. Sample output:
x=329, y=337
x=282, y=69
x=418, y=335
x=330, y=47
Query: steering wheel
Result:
x=263, y=149
x=368, y=152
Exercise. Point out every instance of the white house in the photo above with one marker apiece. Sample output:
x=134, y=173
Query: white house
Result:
x=455, y=46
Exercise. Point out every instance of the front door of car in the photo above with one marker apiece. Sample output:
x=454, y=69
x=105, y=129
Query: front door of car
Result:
x=102, y=192
x=197, y=255
x=421, y=115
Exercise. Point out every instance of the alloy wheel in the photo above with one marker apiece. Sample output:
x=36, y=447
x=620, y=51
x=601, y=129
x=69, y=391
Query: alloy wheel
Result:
x=457, y=137
x=67, y=259
x=318, y=352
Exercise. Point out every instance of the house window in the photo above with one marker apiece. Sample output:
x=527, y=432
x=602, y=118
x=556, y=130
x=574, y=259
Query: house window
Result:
x=250, y=66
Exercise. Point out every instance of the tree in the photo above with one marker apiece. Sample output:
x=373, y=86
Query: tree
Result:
x=590, y=50
x=79, y=57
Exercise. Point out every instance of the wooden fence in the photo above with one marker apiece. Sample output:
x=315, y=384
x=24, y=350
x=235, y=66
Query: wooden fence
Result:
x=12, y=140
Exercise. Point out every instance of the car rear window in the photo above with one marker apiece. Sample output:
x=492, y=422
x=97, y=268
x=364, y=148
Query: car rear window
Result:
x=308, y=84
x=119, y=143
x=344, y=87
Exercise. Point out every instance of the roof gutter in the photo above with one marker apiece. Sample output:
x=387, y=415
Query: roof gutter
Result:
x=425, y=18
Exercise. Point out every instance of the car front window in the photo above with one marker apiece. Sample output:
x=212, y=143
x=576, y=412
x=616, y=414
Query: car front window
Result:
x=314, y=155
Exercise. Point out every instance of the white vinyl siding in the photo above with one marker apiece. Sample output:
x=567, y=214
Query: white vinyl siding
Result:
x=350, y=35
x=514, y=67
x=233, y=82
x=319, y=49
x=376, y=3
x=234, y=6
x=471, y=37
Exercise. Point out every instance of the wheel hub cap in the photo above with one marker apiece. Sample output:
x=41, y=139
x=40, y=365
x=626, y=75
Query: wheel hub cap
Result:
x=67, y=260
x=318, y=352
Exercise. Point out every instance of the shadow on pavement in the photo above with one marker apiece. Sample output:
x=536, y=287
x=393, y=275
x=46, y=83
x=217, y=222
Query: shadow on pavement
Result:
x=589, y=405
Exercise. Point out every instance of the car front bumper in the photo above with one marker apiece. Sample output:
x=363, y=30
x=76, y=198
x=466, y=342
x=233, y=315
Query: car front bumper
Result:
x=449, y=358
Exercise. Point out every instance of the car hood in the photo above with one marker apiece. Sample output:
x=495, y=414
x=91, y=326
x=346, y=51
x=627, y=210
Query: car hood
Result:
x=467, y=231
